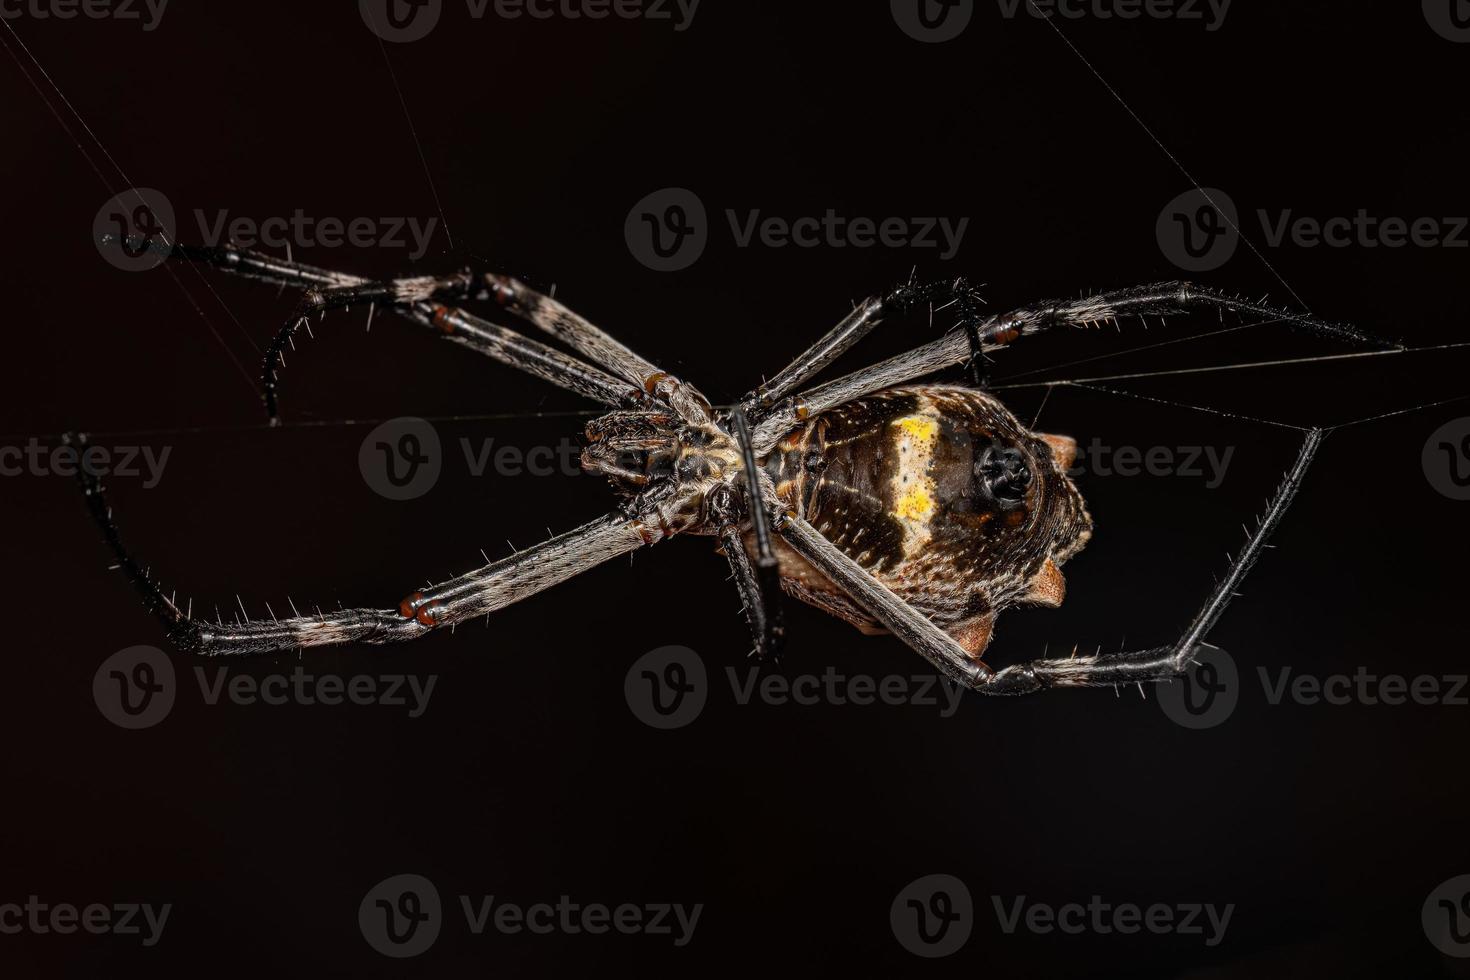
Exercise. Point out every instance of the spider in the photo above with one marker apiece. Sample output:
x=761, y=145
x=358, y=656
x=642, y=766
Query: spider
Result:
x=921, y=510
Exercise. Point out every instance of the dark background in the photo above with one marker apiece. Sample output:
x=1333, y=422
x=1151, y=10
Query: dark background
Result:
x=528, y=777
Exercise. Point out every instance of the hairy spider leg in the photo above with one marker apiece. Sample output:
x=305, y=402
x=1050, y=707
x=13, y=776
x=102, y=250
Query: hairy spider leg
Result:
x=1161, y=663
x=421, y=299
x=864, y=318
x=1000, y=331
x=936, y=646
x=476, y=593
x=550, y=315
x=760, y=584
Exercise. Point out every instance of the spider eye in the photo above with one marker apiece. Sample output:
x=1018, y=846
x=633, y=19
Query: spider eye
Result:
x=1004, y=474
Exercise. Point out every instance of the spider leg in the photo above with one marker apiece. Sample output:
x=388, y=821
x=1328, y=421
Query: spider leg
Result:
x=465, y=597
x=900, y=618
x=600, y=347
x=863, y=320
x=1159, y=299
x=854, y=327
x=521, y=352
x=997, y=332
x=245, y=263
x=759, y=582
x=1159, y=663
x=418, y=298
x=761, y=603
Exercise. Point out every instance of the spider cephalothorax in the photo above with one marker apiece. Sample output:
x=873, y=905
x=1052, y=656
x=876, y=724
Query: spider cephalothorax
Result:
x=922, y=510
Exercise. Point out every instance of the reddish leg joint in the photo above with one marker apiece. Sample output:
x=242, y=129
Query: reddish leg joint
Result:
x=414, y=607
x=441, y=319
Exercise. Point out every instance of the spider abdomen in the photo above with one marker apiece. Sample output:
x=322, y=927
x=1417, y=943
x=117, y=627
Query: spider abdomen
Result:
x=939, y=492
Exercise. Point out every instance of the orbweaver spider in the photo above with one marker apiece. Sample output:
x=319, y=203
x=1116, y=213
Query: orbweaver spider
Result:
x=917, y=509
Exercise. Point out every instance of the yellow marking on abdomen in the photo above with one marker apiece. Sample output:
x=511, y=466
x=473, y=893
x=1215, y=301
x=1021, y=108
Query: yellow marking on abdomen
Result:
x=913, y=491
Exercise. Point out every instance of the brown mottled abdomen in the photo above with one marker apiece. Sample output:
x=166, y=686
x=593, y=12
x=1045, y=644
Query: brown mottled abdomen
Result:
x=943, y=495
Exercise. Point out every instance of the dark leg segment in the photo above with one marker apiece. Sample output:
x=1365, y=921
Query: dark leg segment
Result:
x=420, y=298
x=759, y=603
x=1161, y=663
x=475, y=594
x=244, y=263
x=760, y=585
x=901, y=619
x=1157, y=664
x=999, y=331
x=861, y=322
x=853, y=328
